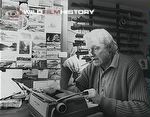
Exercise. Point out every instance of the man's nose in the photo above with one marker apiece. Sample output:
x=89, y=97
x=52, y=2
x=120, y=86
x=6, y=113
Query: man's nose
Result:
x=92, y=53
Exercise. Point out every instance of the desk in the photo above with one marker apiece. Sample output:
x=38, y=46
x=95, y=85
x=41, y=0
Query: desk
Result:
x=24, y=112
x=16, y=112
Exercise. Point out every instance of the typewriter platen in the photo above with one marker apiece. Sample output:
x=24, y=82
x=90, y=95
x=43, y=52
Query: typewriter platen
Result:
x=61, y=103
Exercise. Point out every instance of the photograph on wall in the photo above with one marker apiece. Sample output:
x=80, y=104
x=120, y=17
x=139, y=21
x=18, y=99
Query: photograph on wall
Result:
x=52, y=54
x=53, y=63
x=54, y=74
x=24, y=62
x=35, y=28
x=10, y=10
x=53, y=48
x=38, y=46
x=7, y=64
x=39, y=64
x=53, y=37
x=24, y=47
x=39, y=53
x=9, y=25
x=10, y=14
x=43, y=73
x=53, y=45
x=38, y=41
x=25, y=44
x=32, y=22
x=8, y=45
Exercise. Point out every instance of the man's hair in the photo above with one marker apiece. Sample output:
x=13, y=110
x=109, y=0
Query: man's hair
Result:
x=101, y=36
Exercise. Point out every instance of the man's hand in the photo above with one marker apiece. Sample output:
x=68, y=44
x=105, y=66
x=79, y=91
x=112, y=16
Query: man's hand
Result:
x=93, y=95
x=89, y=93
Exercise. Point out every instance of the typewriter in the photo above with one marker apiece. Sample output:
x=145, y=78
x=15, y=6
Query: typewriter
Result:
x=61, y=103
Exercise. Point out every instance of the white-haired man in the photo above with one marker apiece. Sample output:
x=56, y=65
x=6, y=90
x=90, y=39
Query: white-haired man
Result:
x=118, y=79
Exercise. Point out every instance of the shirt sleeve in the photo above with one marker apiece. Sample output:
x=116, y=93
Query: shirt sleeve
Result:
x=65, y=77
x=82, y=82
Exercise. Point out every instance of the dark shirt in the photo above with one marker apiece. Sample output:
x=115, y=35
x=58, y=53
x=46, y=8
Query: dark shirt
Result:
x=125, y=94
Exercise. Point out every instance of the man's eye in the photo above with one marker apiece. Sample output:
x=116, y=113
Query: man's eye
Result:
x=96, y=48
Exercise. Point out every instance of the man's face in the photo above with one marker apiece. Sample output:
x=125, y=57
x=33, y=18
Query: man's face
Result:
x=100, y=54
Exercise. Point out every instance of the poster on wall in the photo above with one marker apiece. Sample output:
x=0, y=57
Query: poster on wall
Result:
x=24, y=62
x=25, y=24
x=35, y=20
x=53, y=37
x=24, y=47
x=8, y=45
x=53, y=63
x=39, y=64
x=53, y=40
x=9, y=15
x=38, y=46
x=53, y=20
x=52, y=54
x=24, y=50
x=9, y=25
x=25, y=44
x=10, y=9
x=54, y=74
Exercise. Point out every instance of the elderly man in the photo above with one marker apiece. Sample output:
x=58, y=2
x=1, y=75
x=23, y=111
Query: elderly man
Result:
x=118, y=79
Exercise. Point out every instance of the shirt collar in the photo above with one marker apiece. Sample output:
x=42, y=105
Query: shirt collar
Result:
x=115, y=60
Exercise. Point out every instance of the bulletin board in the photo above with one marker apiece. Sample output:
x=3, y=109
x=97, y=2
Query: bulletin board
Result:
x=30, y=35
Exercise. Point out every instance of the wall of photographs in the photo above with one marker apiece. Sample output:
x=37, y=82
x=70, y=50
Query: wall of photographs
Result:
x=30, y=36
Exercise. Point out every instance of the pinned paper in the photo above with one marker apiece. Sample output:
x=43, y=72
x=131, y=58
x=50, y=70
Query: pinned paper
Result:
x=43, y=73
x=62, y=55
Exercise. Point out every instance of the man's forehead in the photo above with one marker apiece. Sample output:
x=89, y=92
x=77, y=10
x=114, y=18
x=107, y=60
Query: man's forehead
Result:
x=100, y=45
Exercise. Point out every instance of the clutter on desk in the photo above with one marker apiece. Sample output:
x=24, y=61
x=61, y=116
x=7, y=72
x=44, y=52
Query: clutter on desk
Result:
x=60, y=103
x=16, y=103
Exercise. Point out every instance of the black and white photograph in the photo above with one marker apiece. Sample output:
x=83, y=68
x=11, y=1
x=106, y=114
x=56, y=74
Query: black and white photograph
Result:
x=9, y=25
x=53, y=63
x=39, y=63
x=54, y=74
x=38, y=41
x=24, y=47
x=24, y=62
x=53, y=37
x=74, y=58
x=8, y=45
x=25, y=44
